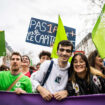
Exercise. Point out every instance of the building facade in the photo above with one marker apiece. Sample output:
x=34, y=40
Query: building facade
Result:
x=86, y=45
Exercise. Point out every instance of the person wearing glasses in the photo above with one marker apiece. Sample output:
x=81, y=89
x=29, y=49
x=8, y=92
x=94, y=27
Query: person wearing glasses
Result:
x=26, y=69
x=83, y=80
x=55, y=85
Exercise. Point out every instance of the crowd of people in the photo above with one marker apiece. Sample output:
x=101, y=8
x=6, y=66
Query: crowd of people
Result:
x=55, y=78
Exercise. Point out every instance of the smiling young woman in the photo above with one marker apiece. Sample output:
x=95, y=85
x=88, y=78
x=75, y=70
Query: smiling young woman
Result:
x=81, y=80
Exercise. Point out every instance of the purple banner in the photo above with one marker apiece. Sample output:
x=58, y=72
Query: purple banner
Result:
x=10, y=98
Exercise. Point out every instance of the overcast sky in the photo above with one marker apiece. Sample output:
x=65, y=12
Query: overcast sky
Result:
x=15, y=16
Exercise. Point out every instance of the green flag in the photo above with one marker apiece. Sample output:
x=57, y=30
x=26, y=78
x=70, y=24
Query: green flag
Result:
x=60, y=35
x=2, y=44
x=98, y=34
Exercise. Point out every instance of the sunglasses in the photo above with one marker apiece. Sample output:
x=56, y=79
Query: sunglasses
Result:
x=67, y=50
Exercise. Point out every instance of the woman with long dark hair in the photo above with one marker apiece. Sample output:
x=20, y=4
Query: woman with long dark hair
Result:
x=81, y=80
x=96, y=61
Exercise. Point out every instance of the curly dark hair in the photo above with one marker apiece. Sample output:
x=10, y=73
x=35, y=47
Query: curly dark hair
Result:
x=43, y=53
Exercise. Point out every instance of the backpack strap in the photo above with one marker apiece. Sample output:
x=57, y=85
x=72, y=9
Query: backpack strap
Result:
x=48, y=72
x=10, y=87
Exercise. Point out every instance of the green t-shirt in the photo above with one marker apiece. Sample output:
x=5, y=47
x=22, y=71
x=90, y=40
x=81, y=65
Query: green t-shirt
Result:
x=6, y=79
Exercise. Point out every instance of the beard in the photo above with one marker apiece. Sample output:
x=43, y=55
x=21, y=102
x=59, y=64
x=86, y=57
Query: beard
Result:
x=14, y=68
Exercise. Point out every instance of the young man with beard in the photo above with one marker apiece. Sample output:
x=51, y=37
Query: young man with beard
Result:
x=23, y=85
x=57, y=80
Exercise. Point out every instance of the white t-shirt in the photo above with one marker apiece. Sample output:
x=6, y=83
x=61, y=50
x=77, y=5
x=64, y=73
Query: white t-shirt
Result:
x=57, y=79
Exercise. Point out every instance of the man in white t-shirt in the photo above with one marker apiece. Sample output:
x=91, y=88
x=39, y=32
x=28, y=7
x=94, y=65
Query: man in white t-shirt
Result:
x=57, y=80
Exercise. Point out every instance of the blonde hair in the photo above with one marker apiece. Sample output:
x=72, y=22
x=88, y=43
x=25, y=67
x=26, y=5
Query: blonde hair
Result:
x=95, y=71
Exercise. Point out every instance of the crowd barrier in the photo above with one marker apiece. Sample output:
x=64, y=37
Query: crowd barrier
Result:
x=10, y=98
